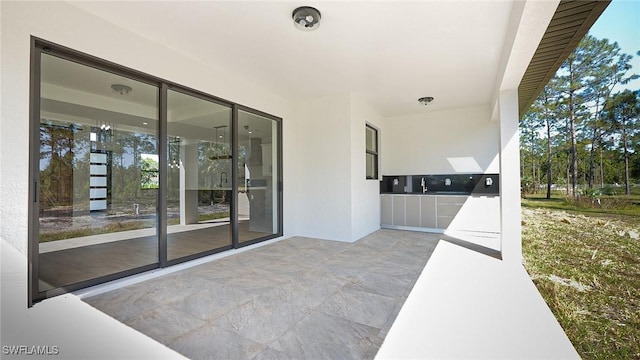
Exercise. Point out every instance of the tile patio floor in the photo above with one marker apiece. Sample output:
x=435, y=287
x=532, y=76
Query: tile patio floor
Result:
x=298, y=298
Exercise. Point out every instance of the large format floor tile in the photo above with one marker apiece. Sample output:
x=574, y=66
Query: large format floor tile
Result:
x=297, y=298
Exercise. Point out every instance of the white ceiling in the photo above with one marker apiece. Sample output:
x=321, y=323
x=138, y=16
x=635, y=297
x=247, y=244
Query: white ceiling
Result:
x=392, y=52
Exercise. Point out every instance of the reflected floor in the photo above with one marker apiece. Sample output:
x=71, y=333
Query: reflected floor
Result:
x=297, y=298
x=72, y=265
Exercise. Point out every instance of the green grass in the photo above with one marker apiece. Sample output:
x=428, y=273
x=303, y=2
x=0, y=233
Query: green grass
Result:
x=586, y=264
x=609, y=204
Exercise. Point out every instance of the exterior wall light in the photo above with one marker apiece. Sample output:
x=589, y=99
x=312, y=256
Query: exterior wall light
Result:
x=306, y=18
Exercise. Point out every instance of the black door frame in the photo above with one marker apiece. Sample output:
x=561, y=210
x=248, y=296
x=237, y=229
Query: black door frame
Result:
x=39, y=46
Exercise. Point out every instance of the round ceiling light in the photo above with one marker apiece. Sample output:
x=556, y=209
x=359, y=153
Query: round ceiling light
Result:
x=425, y=100
x=121, y=89
x=306, y=18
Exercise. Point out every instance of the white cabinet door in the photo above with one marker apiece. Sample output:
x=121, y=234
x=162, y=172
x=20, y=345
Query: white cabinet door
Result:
x=479, y=213
x=448, y=207
x=386, y=209
x=399, y=215
x=412, y=210
x=428, y=211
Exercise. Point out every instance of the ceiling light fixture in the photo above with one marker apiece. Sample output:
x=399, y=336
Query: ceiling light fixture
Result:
x=306, y=18
x=425, y=100
x=121, y=89
x=222, y=129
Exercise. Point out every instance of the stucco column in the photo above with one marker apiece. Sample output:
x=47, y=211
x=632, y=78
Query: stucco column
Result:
x=510, y=217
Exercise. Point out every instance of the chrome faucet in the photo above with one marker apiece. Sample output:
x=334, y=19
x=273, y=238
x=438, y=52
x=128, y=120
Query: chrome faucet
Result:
x=424, y=185
x=225, y=178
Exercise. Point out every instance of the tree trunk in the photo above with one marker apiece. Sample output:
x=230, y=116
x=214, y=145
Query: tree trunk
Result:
x=533, y=164
x=574, y=142
x=548, y=160
x=568, y=174
x=627, y=188
x=601, y=168
x=574, y=158
x=592, y=158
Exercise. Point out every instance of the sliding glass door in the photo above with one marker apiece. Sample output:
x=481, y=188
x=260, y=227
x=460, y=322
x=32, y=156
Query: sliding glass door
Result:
x=97, y=175
x=199, y=154
x=130, y=173
x=258, y=169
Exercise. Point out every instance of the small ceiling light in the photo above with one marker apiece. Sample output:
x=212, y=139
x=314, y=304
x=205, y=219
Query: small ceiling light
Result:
x=121, y=89
x=306, y=18
x=425, y=100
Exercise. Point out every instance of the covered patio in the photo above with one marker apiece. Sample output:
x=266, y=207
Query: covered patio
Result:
x=332, y=283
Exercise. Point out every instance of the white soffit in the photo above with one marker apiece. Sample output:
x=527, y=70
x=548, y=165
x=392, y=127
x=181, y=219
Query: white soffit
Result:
x=390, y=52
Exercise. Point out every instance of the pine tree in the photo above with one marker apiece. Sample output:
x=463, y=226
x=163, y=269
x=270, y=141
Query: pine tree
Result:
x=623, y=112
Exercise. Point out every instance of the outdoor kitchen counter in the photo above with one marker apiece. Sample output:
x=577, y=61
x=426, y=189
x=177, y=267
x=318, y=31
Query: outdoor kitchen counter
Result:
x=440, y=211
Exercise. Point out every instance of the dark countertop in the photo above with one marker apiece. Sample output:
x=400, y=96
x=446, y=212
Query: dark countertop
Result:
x=428, y=193
x=441, y=193
x=441, y=184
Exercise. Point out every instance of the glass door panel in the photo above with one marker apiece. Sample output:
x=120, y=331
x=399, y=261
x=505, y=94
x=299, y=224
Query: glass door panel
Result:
x=98, y=174
x=257, y=177
x=198, y=175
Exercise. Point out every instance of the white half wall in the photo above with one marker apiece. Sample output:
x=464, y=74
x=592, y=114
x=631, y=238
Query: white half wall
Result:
x=441, y=142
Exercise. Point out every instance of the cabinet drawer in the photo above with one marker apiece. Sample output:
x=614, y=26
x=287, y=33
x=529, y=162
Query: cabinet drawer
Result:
x=444, y=221
x=452, y=199
x=448, y=209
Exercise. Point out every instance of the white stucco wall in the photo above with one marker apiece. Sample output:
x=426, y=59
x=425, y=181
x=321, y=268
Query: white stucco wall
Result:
x=334, y=199
x=365, y=195
x=441, y=142
x=323, y=140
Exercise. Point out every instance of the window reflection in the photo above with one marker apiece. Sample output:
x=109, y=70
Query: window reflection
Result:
x=257, y=176
x=97, y=202
x=199, y=175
